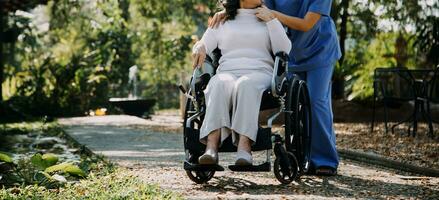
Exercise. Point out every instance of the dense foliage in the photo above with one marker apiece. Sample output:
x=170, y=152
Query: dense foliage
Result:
x=71, y=56
x=83, y=56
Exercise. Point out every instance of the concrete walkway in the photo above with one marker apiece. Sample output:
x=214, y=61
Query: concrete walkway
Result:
x=153, y=151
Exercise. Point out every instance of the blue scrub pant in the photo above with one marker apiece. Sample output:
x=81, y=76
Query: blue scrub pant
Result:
x=323, y=150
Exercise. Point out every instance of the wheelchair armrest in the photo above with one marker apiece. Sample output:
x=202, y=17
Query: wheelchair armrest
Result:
x=280, y=71
x=214, y=57
x=201, y=76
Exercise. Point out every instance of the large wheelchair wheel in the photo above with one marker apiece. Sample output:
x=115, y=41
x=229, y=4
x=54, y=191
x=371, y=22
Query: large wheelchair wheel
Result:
x=298, y=123
x=198, y=177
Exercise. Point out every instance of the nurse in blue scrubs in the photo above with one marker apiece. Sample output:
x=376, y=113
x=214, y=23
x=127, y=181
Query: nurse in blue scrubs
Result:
x=313, y=55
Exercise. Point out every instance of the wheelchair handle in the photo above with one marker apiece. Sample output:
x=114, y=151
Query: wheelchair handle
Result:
x=185, y=93
x=280, y=71
x=195, y=74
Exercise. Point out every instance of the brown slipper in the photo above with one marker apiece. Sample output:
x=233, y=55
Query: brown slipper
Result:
x=326, y=171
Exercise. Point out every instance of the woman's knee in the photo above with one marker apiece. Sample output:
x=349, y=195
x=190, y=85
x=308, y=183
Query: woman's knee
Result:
x=221, y=83
x=246, y=84
x=221, y=80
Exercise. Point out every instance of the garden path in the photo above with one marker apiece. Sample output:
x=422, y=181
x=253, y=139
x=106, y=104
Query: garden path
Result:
x=152, y=150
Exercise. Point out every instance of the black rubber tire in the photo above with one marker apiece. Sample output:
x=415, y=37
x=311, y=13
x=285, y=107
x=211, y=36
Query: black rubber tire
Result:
x=303, y=127
x=285, y=178
x=298, y=124
x=196, y=125
x=292, y=87
x=200, y=177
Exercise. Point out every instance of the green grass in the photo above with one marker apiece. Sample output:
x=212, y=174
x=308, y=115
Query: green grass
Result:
x=115, y=185
x=24, y=127
x=49, y=128
x=104, y=180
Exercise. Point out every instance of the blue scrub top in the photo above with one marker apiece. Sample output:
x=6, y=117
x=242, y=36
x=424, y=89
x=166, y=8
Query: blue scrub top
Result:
x=316, y=48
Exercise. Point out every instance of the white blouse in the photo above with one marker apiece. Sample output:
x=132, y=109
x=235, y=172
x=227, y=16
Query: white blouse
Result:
x=246, y=42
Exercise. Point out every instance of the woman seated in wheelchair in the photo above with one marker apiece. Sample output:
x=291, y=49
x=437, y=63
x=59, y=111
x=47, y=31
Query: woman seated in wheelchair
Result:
x=248, y=40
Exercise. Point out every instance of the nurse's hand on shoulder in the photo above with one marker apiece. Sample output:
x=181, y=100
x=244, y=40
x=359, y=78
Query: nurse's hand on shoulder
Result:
x=217, y=19
x=198, y=55
x=264, y=14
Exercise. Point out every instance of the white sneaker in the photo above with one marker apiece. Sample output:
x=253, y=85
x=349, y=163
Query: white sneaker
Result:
x=243, y=158
x=210, y=157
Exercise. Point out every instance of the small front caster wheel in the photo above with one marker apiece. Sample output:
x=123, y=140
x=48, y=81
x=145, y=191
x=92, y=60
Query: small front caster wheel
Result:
x=286, y=172
x=200, y=177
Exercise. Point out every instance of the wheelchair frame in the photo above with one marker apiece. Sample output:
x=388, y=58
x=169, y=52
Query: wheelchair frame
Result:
x=289, y=94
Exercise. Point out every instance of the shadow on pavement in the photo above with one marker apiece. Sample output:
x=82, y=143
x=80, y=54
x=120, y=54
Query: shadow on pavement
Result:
x=338, y=186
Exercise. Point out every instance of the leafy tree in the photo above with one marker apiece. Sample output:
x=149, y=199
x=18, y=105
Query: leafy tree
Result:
x=7, y=34
x=69, y=66
x=363, y=22
x=164, y=35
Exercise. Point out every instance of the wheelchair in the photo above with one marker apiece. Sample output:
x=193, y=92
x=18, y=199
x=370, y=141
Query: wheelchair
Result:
x=288, y=94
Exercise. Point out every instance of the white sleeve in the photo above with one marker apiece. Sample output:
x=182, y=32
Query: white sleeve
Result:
x=278, y=38
x=209, y=40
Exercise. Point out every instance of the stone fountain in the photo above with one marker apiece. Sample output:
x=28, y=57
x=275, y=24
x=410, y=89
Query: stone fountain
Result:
x=133, y=105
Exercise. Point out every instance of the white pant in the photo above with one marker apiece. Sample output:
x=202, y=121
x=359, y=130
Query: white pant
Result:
x=237, y=93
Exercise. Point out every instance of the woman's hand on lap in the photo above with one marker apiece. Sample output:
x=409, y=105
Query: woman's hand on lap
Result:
x=264, y=14
x=198, y=55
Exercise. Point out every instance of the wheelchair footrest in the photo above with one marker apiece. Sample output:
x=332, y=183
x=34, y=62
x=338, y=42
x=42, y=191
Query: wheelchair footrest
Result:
x=198, y=167
x=265, y=167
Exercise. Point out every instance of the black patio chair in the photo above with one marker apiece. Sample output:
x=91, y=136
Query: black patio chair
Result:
x=433, y=93
x=392, y=86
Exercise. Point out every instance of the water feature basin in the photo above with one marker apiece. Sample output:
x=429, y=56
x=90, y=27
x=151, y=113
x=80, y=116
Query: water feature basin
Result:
x=134, y=106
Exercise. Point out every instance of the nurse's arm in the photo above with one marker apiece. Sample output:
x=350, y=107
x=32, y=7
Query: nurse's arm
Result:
x=296, y=23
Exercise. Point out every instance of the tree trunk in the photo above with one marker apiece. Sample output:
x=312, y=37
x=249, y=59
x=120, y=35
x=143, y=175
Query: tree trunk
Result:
x=335, y=11
x=343, y=29
x=401, y=55
x=2, y=57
